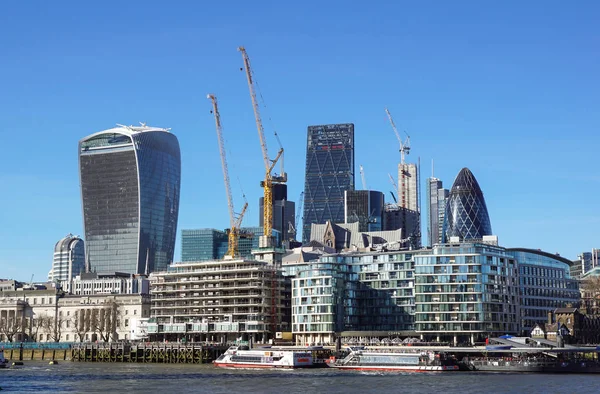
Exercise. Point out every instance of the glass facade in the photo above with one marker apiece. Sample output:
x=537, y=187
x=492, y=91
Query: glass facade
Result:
x=210, y=244
x=364, y=207
x=130, y=182
x=433, y=185
x=544, y=285
x=68, y=260
x=466, y=293
x=329, y=172
x=466, y=213
x=352, y=292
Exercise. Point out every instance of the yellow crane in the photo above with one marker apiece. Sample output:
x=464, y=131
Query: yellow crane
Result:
x=234, y=222
x=270, y=178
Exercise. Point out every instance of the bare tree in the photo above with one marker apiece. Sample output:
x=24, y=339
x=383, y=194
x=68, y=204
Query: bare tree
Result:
x=11, y=326
x=590, y=287
x=106, y=321
x=37, y=323
x=78, y=320
x=53, y=326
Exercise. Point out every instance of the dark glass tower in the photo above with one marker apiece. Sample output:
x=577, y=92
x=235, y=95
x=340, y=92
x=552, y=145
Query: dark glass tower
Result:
x=366, y=208
x=329, y=172
x=130, y=179
x=466, y=213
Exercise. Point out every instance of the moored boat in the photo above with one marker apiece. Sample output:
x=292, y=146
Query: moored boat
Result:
x=240, y=357
x=395, y=360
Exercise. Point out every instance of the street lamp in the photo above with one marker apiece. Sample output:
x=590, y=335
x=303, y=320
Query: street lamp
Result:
x=57, y=295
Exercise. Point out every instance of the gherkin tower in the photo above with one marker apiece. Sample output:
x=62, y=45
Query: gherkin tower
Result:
x=466, y=213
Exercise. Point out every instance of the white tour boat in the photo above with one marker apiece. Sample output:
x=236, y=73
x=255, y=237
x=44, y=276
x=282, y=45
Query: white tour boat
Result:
x=242, y=357
x=394, y=360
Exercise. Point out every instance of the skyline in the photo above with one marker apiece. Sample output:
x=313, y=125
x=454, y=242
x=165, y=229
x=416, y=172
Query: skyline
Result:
x=507, y=91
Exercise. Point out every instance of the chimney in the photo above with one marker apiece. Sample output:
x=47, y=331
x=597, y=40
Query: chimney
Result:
x=549, y=317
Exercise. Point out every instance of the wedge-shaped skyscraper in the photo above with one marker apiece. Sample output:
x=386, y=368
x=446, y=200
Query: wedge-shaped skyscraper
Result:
x=466, y=213
x=130, y=179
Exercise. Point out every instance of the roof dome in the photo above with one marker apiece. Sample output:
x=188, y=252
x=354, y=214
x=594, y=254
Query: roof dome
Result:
x=466, y=213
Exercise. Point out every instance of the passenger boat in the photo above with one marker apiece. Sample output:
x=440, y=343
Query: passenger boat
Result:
x=534, y=364
x=242, y=357
x=395, y=360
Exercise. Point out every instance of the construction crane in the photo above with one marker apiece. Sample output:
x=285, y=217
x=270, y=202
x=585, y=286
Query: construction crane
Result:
x=234, y=222
x=404, y=146
x=393, y=181
x=270, y=179
x=293, y=228
x=362, y=178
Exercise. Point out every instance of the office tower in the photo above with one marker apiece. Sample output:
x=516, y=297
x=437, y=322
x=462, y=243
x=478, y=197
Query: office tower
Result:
x=466, y=213
x=441, y=206
x=68, y=260
x=408, y=183
x=365, y=207
x=329, y=172
x=210, y=244
x=433, y=185
x=436, y=205
x=284, y=213
x=130, y=179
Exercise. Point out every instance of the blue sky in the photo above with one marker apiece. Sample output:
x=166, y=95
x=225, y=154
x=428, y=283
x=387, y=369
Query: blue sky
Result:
x=509, y=89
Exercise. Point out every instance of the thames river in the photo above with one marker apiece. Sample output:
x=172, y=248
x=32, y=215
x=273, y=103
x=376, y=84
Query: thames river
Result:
x=39, y=377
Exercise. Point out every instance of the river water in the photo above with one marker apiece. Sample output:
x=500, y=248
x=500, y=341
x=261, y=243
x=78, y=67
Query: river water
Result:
x=39, y=377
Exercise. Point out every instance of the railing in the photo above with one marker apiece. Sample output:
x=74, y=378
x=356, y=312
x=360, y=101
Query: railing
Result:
x=36, y=345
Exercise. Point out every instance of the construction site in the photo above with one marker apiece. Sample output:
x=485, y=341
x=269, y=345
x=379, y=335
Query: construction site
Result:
x=234, y=293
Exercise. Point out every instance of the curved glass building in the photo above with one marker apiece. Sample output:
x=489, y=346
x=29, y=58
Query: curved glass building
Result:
x=68, y=260
x=130, y=179
x=466, y=213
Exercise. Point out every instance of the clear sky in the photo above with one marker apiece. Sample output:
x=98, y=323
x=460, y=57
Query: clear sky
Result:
x=509, y=89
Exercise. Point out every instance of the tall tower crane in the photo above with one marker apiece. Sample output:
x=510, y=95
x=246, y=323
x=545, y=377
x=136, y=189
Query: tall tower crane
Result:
x=234, y=222
x=404, y=146
x=270, y=179
x=363, y=178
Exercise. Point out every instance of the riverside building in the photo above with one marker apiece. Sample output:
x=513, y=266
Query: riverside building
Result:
x=545, y=284
x=466, y=292
x=370, y=292
x=219, y=300
x=130, y=180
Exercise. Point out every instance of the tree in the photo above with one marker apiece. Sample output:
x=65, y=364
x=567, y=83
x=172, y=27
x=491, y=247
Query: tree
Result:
x=53, y=326
x=39, y=322
x=106, y=320
x=78, y=320
x=11, y=326
x=590, y=294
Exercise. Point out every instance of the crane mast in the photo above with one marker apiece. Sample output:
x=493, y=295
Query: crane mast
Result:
x=404, y=146
x=267, y=184
x=234, y=223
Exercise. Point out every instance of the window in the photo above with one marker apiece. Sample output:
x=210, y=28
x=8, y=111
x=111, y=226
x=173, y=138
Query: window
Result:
x=127, y=310
x=127, y=320
x=135, y=312
x=41, y=336
x=67, y=337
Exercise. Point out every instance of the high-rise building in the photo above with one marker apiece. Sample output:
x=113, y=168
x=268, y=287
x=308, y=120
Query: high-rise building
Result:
x=329, y=172
x=441, y=206
x=436, y=205
x=433, y=185
x=68, y=260
x=466, y=213
x=366, y=208
x=210, y=244
x=284, y=212
x=130, y=179
x=408, y=202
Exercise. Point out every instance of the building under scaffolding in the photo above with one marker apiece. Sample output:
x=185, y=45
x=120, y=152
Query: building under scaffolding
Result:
x=218, y=301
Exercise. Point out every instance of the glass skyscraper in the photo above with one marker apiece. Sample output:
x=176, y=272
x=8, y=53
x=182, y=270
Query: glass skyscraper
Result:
x=130, y=179
x=466, y=213
x=329, y=172
x=69, y=259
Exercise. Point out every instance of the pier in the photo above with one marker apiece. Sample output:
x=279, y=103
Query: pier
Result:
x=172, y=353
